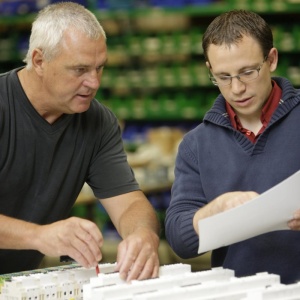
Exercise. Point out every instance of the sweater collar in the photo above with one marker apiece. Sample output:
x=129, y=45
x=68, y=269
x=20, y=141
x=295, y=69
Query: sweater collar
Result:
x=289, y=99
x=267, y=110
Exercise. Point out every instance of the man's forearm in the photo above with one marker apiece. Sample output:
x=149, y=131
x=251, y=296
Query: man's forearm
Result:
x=139, y=215
x=16, y=234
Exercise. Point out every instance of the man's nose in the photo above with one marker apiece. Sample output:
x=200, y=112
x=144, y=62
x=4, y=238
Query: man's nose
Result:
x=237, y=85
x=93, y=79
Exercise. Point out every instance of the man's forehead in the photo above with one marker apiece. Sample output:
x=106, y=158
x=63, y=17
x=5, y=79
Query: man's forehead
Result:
x=245, y=48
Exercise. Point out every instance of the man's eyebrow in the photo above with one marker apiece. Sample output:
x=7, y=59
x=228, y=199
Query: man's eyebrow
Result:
x=75, y=66
x=86, y=66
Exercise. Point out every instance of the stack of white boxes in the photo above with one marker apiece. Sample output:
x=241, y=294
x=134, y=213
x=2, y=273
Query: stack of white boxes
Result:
x=175, y=281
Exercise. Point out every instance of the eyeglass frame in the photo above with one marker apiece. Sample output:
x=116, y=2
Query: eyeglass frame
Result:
x=238, y=75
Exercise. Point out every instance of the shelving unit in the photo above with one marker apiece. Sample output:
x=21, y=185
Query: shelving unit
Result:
x=156, y=69
x=160, y=73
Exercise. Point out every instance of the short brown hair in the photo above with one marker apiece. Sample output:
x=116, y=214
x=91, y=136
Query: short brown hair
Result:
x=229, y=28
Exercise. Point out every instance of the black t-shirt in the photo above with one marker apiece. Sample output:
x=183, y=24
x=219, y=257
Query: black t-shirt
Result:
x=43, y=167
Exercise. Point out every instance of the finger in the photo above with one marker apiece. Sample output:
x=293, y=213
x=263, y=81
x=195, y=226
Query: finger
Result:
x=92, y=237
x=85, y=248
x=128, y=259
x=139, y=269
x=75, y=254
x=294, y=224
x=297, y=215
x=142, y=265
x=142, y=269
x=93, y=230
x=150, y=270
x=81, y=252
x=153, y=268
x=155, y=272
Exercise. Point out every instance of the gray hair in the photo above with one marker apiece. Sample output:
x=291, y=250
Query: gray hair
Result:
x=50, y=24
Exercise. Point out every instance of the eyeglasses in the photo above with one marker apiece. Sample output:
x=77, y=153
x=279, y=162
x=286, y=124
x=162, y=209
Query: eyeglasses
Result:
x=243, y=77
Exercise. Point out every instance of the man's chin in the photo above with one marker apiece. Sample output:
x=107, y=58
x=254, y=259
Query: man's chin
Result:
x=82, y=108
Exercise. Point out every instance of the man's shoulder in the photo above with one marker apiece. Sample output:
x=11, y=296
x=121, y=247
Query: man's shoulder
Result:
x=12, y=72
x=10, y=75
x=4, y=75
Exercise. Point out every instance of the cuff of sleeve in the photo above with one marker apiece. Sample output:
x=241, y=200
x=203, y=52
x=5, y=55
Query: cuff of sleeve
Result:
x=190, y=237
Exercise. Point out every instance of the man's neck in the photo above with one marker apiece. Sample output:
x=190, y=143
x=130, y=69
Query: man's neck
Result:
x=253, y=124
x=30, y=83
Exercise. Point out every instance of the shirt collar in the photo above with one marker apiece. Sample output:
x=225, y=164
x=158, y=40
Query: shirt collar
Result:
x=267, y=111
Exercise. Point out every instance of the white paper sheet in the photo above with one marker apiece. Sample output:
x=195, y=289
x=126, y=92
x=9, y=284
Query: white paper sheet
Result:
x=268, y=212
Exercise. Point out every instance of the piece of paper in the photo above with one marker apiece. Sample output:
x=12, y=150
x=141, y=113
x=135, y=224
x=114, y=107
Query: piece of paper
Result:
x=268, y=212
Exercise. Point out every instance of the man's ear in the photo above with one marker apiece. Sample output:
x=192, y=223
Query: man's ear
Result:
x=273, y=59
x=38, y=60
x=207, y=64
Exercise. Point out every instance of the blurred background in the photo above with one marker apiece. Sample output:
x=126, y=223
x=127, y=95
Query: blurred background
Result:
x=155, y=82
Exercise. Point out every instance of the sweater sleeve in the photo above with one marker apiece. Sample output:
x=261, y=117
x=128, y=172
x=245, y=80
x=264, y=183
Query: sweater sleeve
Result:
x=187, y=198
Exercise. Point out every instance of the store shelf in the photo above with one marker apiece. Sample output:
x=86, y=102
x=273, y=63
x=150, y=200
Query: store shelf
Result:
x=12, y=15
x=156, y=68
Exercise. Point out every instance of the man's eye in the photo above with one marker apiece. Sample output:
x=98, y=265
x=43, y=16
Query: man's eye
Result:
x=248, y=73
x=224, y=78
x=80, y=70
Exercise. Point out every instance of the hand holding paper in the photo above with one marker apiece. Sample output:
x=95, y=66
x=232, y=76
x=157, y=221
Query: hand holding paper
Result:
x=252, y=218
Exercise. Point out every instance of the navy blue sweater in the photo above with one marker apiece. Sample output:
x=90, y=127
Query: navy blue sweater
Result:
x=213, y=159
